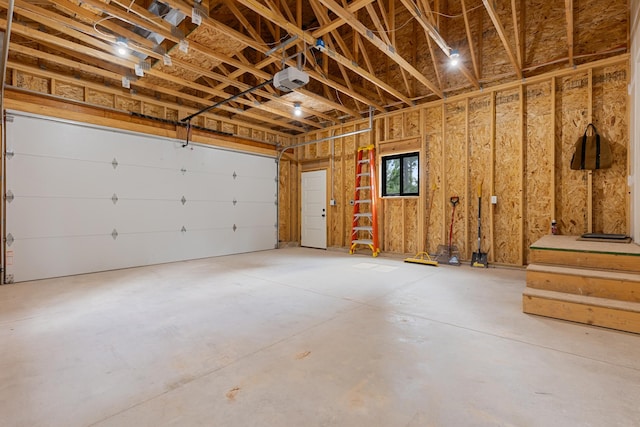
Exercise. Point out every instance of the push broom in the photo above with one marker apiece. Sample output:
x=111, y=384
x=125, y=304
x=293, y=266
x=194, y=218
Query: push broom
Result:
x=423, y=257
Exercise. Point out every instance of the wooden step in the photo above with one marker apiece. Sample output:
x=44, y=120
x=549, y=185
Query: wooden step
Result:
x=620, y=315
x=568, y=251
x=615, y=285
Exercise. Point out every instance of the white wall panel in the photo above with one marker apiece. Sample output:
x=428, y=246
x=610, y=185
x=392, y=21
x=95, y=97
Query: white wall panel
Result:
x=63, y=176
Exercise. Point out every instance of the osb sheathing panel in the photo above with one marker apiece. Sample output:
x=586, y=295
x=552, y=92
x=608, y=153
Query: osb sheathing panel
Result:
x=172, y=114
x=286, y=104
x=212, y=124
x=153, y=110
x=127, y=104
x=599, y=28
x=610, y=117
x=412, y=123
x=336, y=237
x=539, y=154
x=100, y=98
x=455, y=145
x=508, y=177
x=176, y=71
x=229, y=128
x=210, y=37
x=165, y=83
x=69, y=91
x=393, y=224
x=479, y=169
x=435, y=180
x=349, y=191
x=323, y=147
x=31, y=82
x=572, y=100
x=395, y=126
x=244, y=131
x=411, y=237
x=546, y=30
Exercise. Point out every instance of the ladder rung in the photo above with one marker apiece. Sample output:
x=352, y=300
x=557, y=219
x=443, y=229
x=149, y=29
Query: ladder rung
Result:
x=364, y=201
x=363, y=241
x=363, y=228
x=366, y=187
x=360, y=215
x=364, y=174
x=363, y=161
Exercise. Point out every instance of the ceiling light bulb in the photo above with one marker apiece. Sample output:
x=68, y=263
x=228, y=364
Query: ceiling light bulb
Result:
x=454, y=57
x=121, y=45
x=297, y=111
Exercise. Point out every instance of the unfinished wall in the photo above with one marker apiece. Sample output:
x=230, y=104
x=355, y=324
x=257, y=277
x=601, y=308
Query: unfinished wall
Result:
x=517, y=142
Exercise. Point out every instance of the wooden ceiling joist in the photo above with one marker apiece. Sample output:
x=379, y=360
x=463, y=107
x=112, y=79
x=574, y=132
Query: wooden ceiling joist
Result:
x=341, y=59
x=43, y=16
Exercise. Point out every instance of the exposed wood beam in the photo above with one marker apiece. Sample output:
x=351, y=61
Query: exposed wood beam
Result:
x=97, y=71
x=432, y=53
x=382, y=46
x=390, y=23
x=309, y=39
x=501, y=33
x=516, y=32
x=568, y=4
x=429, y=29
x=128, y=63
x=144, y=19
x=472, y=49
x=48, y=18
x=323, y=18
x=322, y=78
x=325, y=100
x=353, y=7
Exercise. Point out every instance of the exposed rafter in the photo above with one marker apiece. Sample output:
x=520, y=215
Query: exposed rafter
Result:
x=569, y=13
x=390, y=51
x=502, y=34
x=430, y=30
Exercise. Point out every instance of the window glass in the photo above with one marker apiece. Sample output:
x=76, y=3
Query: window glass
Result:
x=400, y=175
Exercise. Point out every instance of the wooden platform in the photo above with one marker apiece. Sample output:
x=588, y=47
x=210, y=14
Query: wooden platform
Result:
x=597, y=283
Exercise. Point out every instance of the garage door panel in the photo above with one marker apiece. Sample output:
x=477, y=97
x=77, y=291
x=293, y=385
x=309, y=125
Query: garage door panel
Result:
x=91, y=199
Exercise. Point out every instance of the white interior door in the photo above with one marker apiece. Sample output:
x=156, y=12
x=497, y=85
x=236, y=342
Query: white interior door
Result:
x=83, y=199
x=314, y=209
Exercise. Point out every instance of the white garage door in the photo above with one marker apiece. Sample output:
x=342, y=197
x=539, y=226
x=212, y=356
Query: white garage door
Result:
x=82, y=199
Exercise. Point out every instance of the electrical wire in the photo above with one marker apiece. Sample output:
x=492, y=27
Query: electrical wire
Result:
x=95, y=28
x=458, y=15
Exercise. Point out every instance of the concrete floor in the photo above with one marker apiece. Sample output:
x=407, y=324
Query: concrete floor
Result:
x=303, y=337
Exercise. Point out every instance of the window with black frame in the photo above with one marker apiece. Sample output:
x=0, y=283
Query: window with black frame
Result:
x=400, y=175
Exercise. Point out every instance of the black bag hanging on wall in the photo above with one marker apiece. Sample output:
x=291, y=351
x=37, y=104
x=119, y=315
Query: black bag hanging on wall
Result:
x=591, y=152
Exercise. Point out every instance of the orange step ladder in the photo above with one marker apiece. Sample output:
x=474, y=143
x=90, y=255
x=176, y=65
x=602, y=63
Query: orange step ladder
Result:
x=364, y=227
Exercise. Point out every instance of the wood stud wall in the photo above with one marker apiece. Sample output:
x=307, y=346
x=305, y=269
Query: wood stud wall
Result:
x=517, y=140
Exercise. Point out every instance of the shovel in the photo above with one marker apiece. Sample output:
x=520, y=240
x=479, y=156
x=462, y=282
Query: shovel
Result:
x=479, y=259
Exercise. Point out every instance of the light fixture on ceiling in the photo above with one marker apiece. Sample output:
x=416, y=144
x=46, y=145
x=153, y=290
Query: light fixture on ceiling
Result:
x=454, y=58
x=297, y=111
x=122, y=46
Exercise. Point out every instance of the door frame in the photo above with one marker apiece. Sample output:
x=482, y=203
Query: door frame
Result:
x=326, y=202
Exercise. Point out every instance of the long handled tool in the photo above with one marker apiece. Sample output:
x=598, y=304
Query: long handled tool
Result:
x=423, y=257
x=453, y=259
x=479, y=259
